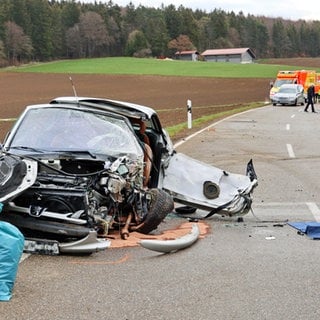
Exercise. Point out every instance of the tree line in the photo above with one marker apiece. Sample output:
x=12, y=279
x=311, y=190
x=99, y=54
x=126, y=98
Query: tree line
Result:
x=42, y=30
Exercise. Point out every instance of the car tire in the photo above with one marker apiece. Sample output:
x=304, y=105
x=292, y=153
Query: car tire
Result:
x=274, y=104
x=161, y=205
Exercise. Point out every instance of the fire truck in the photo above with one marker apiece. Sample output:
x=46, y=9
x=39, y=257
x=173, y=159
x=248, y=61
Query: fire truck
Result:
x=303, y=77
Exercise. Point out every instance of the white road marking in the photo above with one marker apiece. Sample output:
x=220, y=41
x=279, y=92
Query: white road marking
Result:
x=288, y=126
x=314, y=209
x=290, y=151
x=293, y=116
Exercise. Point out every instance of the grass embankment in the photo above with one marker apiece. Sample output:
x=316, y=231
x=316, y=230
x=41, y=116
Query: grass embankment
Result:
x=181, y=128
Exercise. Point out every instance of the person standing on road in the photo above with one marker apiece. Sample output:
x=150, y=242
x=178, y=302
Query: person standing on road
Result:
x=310, y=97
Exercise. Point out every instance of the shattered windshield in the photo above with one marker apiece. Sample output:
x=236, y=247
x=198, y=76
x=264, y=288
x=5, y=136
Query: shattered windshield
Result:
x=62, y=129
x=287, y=90
x=280, y=82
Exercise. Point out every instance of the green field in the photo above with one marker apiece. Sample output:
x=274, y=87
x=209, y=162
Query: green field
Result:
x=135, y=66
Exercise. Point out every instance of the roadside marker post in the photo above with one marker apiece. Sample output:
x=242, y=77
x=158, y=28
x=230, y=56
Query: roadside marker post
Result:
x=189, y=113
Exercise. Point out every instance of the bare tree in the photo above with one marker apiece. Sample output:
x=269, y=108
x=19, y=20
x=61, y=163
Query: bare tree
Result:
x=88, y=37
x=94, y=32
x=181, y=43
x=3, y=60
x=73, y=39
x=17, y=44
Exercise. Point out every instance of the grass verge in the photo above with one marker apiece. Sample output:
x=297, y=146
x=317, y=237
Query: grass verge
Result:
x=181, y=129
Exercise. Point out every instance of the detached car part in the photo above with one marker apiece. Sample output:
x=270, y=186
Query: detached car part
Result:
x=167, y=246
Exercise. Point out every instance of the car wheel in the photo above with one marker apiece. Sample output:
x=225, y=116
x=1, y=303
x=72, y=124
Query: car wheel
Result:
x=161, y=205
x=295, y=102
x=274, y=104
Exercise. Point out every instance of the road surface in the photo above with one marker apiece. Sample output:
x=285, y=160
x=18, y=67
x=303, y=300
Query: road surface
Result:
x=256, y=269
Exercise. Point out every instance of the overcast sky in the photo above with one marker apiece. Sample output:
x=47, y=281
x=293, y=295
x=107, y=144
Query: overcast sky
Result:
x=287, y=9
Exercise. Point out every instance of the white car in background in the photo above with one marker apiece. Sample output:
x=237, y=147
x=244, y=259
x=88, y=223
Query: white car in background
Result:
x=289, y=94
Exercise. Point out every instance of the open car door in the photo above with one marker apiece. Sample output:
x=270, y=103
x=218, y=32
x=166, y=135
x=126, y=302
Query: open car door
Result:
x=203, y=186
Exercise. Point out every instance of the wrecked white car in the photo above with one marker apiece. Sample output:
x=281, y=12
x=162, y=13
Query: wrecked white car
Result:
x=74, y=168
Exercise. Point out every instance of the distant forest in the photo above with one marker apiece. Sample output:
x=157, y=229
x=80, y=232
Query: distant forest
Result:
x=42, y=30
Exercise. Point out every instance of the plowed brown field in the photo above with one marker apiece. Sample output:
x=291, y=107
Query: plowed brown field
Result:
x=167, y=95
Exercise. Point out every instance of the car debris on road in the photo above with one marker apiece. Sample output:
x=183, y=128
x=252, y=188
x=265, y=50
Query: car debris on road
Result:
x=76, y=168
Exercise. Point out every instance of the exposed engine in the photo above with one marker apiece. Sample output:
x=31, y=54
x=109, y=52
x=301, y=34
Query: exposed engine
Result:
x=89, y=193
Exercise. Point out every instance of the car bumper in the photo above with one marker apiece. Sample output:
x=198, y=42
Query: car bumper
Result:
x=90, y=244
x=87, y=245
x=284, y=101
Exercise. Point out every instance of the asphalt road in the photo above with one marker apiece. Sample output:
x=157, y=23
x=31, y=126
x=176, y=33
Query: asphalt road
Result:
x=256, y=269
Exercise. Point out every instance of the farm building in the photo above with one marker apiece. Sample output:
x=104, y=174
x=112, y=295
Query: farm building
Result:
x=187, y=55
x=235, y=55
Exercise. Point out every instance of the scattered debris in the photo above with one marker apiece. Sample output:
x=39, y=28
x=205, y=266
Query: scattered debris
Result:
x=167, y=246
x=169, y=234
x=281, y=225
x=270, y=238
x=185, y=210
x=311, y=229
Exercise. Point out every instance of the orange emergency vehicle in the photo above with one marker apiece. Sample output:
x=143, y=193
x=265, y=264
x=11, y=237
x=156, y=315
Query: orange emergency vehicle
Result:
x=303, y=77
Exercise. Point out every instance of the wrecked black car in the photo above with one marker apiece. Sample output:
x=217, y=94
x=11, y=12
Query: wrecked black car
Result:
x=75, y=168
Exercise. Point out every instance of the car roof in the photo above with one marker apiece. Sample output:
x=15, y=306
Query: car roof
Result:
x=127, y=109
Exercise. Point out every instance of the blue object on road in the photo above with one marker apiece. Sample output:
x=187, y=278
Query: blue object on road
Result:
x=11, y=248
x=311, y=229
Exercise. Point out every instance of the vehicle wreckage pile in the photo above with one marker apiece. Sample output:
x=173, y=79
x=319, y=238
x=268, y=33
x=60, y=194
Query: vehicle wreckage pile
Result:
x=76, y=168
